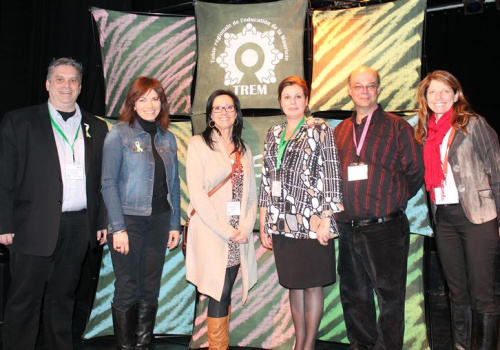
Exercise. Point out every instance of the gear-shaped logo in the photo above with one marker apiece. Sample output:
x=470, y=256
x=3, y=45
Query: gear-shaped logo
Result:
x=249, y=55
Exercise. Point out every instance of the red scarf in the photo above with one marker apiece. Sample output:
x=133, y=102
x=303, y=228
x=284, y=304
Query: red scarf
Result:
x=434, y=175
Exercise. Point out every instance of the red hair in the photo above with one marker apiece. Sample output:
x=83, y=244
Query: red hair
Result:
x=293, y=80
x=139, y=87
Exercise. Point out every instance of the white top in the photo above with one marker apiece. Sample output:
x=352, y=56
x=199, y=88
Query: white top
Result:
x=72, y=173
x=449, y=193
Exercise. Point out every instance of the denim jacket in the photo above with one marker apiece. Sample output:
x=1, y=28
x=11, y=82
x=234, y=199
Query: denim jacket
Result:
x=128, y=174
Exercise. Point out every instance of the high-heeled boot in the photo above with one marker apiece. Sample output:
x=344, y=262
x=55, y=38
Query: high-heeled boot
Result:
x=146, y=317
x=487, y=331
x=461, y=326
x=124, y=327
x=218, y=333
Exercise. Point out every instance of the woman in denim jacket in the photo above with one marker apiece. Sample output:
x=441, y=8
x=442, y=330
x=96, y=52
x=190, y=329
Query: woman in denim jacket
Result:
x=140, y=186
x=462, y=174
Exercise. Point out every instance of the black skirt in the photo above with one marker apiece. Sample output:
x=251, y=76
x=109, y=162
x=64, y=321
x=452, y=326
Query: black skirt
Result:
x=304, y=263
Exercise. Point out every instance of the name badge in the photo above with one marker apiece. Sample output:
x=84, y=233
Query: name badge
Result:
x=74, y=171
x=357, y=172
x=233, y=208
x=276, y=189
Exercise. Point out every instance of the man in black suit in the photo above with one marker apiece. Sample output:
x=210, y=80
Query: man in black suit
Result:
x=51, y=207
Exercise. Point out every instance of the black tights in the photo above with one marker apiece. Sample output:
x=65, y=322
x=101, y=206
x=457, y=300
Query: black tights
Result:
x=220, y=308
x=307, y=310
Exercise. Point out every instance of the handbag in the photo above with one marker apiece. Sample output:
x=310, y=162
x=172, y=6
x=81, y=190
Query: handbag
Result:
x=186, y=225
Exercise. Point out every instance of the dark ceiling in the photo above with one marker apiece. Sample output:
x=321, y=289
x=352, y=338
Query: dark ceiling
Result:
x=186, y=7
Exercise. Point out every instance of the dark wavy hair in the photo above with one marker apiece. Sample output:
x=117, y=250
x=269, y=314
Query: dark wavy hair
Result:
x=462, y=110
x=207, y=134
x=138, y=88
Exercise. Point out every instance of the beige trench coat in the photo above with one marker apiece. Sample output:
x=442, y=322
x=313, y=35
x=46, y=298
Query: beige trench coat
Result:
x=209, y=230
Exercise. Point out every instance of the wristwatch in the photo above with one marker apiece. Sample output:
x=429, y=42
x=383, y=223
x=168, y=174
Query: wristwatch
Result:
x=326, y=216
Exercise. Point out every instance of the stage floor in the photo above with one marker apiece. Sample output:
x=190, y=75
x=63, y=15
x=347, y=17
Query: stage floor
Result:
x=178, y=343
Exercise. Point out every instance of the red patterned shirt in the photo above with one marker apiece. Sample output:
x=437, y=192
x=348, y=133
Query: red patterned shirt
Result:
x=395, y=165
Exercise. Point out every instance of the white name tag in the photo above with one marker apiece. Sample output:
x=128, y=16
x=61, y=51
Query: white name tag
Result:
x=74, y=171
x=233, y=208
x=357, y=172
x=276, y=189
x=443, y=199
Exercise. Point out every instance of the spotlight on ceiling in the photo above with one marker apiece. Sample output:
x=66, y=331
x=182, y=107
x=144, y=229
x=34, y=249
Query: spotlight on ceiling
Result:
x=472, y=7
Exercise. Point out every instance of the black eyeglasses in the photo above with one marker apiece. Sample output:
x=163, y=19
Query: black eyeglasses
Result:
x=219, y=109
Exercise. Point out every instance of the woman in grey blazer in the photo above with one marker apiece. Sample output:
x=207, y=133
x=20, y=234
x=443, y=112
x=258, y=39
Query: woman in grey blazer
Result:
x=462, y=174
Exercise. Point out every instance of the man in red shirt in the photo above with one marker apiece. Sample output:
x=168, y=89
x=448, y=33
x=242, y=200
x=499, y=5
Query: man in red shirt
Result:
x=382, y=169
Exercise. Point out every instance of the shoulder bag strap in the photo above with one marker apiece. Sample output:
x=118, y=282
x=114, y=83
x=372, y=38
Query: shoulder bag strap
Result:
x=213, y=190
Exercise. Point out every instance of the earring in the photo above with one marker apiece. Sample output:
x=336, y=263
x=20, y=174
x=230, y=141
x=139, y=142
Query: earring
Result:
x=236, y=121
x=211, y=124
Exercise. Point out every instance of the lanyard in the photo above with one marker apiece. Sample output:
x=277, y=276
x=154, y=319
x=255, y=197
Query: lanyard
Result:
x=363, y=135
x=63, y=135
x=236, y=167
x=445, y=160
x=282, y=145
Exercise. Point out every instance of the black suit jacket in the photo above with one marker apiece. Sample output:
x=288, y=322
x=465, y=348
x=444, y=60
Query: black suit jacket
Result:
x=31, y=188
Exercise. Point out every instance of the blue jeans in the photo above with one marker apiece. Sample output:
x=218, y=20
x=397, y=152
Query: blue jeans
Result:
x=374, y=258
x=138, y=274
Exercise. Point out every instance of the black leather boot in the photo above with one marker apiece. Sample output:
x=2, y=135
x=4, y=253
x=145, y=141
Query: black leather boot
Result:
x=124, y=326
x=146, y=317
x=461, y=326
x=487, y=331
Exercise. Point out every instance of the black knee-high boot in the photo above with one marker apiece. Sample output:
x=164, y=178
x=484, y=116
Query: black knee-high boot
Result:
x=124, y=326
x=146, y=317
x=487, y=331
x=461, y=326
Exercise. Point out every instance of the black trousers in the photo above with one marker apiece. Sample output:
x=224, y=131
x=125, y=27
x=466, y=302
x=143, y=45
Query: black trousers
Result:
x=467, y=253
x=374, y=258
x=51, y=280
x=138, y=274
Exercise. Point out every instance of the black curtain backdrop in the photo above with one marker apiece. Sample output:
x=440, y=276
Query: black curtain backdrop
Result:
x=32, y=32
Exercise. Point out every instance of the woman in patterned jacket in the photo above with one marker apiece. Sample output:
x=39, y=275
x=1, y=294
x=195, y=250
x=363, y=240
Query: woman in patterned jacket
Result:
x=299, y=194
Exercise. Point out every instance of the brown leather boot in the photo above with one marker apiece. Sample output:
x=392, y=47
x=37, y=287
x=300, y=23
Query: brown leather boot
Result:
x=218, y=333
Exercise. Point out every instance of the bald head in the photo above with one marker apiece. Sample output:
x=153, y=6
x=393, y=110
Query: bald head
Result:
x=364, y=69
x=363, y=85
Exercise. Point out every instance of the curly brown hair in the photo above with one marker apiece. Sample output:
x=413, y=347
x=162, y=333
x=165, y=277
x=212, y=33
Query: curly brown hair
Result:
x=462, y=110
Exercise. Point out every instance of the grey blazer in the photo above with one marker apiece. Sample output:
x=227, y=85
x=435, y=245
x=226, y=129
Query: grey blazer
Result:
x=474, y=158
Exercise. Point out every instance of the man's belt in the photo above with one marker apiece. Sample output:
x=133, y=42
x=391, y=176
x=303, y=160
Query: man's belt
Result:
x=373, y=221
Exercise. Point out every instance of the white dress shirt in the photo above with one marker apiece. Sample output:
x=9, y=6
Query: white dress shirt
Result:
x=449, y=193
x=74, y=188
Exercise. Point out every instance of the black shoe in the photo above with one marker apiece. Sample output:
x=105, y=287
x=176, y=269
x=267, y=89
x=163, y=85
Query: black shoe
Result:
x=461, y=326
x=487, y=331
x=124, y=323
x=146, y=317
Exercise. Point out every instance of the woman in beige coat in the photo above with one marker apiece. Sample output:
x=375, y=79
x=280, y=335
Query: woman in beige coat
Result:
x=220, y=232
